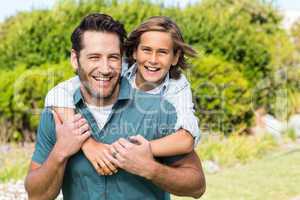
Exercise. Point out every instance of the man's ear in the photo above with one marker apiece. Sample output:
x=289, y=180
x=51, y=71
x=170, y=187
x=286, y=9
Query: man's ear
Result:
x=176, y=58
x=74, y=59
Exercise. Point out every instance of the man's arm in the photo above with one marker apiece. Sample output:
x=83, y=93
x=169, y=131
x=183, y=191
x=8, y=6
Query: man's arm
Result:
x=44, y=181
x=184, y=177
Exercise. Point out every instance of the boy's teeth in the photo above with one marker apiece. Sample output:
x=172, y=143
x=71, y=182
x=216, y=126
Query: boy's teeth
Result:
x=152, y=68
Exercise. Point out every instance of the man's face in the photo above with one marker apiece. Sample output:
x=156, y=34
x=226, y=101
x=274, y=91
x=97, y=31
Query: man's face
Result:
x=154, y=56
x=99, y=64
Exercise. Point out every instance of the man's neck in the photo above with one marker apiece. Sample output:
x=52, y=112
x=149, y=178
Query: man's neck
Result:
x=99, y=102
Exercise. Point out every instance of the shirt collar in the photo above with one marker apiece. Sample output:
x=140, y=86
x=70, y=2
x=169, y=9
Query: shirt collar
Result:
x=126, y=92
x=130, y=75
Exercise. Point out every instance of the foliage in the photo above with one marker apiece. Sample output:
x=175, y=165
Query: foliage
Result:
x=295, y=32
x=235, y=149
x=222, y=94
x=23, y=98
x=237, y=30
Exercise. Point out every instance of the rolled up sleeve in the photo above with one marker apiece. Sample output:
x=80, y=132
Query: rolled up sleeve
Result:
x=182, y=100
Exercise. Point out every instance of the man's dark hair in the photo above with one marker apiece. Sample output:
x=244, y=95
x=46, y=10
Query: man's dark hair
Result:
x=97, y=22
x=162, y=24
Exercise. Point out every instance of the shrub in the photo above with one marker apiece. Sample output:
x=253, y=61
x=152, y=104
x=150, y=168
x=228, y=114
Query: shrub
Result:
x=23, y=98
x=222, y=95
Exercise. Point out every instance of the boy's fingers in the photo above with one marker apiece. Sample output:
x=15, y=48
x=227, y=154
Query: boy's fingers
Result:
x=109, y=165
x=97, y=168
x=103, y=166
x=112, y=160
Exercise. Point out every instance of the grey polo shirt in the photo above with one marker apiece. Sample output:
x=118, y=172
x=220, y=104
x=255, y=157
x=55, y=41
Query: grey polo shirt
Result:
x=134, y=112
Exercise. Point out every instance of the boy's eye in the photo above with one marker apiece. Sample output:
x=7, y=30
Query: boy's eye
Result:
x=163, y=52
x=146, y=50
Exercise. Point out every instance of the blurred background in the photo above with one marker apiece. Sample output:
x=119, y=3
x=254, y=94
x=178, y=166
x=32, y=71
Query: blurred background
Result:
x=245, y=84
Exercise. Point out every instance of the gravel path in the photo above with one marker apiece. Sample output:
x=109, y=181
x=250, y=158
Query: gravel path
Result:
x=15, y=191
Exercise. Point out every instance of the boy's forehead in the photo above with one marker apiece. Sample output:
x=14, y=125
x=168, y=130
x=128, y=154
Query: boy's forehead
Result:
x=157, y=38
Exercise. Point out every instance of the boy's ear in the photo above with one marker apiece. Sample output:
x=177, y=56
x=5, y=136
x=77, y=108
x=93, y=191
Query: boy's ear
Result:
x=74, y=59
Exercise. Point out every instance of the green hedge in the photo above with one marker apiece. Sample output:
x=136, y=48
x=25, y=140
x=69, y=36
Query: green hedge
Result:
x=23, y=98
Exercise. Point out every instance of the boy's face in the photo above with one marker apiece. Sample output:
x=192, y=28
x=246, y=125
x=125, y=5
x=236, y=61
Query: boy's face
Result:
x=99, y=63
x=154, y=56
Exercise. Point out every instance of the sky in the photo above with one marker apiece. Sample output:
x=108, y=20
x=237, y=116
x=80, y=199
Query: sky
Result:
x=290, y=8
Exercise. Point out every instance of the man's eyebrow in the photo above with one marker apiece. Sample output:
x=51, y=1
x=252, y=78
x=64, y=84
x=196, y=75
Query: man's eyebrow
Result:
x=115, y=54
x=93, y=54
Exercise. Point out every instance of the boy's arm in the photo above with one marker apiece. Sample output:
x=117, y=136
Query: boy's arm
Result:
x=180, y=142
x=93, y=150
x=180, y=96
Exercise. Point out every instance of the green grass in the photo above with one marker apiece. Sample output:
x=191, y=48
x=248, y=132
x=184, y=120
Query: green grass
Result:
x=227, y=151
x=274, y=177
x=14, y=162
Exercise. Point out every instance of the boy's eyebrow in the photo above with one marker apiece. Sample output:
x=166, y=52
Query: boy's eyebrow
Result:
x=164, y=49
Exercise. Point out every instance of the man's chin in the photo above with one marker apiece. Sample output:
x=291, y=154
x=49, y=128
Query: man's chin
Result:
x=101, y=95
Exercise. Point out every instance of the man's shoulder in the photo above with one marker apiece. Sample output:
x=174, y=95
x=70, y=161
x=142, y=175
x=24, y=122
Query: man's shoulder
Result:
x=46, y=120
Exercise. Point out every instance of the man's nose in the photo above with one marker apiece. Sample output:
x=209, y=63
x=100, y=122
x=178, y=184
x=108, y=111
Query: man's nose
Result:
x=104, y=67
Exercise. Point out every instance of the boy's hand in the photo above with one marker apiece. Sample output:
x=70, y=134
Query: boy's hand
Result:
x=95, y=153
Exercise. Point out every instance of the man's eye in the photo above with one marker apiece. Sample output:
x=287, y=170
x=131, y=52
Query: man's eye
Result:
x=93, y=58
x=114, y=58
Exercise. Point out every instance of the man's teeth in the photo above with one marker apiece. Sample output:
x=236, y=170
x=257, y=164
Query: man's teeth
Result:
x=102, y=78
x=152, y=68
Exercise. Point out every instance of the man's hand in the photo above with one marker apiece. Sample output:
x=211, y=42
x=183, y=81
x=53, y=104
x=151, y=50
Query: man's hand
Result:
x=135, y=156
x=70, y=135
x=95, y=153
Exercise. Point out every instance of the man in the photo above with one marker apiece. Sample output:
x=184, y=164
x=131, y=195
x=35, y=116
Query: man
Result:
x=58, y=162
